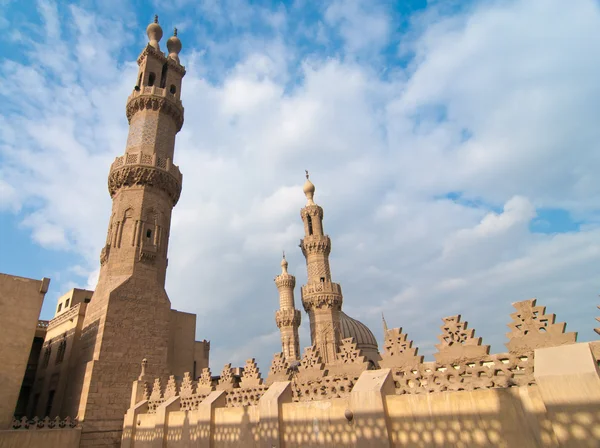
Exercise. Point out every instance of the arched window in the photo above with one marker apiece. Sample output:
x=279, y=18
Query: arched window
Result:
x=148, y=233
x=163, y=76
x=309, y=221
x=151, y=79
x=139, y=81
x=173, y=89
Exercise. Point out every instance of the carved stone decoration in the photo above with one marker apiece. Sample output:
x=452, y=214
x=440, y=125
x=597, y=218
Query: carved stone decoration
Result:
x=349, y=361
x=187, y=386
x=227, y=381
x=156, y=390
x=156, y=398
x=104, y=253
x=148, y=257
x=399, y=351
x=251, y=375
x=205, y=382
x=279, y=370
x=531, y=328
x=311, y=365
x=171, y=389
x=457, y=343
x=287, y=318
x=157, y=103
x=160, y=55
x=130, y=175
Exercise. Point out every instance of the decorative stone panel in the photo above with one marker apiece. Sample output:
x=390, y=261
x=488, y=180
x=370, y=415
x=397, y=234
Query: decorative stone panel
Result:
x=457, y=343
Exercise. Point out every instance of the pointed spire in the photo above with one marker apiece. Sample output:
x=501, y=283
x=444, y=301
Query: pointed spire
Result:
x=385, y=327
x=309, y=190
x=284, y=265
x=155, y=33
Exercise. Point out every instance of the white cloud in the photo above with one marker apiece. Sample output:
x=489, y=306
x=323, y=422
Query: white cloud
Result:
x=498, y=104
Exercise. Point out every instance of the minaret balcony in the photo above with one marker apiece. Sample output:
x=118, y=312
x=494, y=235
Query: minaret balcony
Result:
x=321, y=287
x=155, y=98
x=315, y=244
x=145, y=169
x=288, y=318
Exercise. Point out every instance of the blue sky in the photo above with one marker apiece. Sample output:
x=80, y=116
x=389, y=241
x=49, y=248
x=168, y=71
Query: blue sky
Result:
x=453, y=145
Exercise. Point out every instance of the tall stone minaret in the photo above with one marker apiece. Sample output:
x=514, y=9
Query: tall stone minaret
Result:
x=287, y=317
x=128, y=316
x=321, y=298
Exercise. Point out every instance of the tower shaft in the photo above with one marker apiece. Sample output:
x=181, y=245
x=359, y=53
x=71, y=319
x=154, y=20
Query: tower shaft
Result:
x=321, y=298
x=287, y=317
x=128, y=316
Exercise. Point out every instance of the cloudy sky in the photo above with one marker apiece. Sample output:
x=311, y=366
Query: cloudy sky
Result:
x=453, y=145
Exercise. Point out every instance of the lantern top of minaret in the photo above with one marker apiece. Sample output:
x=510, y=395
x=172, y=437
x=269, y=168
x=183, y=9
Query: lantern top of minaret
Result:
x=155, y=33
x=284, y=265
x=174, y=46
x=309, y=190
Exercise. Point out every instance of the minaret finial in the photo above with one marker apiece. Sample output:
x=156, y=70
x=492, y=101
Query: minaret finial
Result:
x=174, y=46
x=309, y=190
x=155, y=33
x=284, y=265
x=385, y=327
x=284, y=254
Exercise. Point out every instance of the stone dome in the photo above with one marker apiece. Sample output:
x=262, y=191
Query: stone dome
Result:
x=362, y=335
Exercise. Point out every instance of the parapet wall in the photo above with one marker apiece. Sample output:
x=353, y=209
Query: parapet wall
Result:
x=545, y=391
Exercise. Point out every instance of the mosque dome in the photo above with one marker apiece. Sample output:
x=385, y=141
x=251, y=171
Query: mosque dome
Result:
x=362, y=335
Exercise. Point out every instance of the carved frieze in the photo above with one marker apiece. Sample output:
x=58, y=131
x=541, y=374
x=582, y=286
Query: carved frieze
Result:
x=156, y=103
x=287, y=318
x=320, y=301
x=316, y=244
x=144, y=175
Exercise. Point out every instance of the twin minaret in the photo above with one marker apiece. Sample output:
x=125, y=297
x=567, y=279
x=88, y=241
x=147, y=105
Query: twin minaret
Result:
x=321, y=298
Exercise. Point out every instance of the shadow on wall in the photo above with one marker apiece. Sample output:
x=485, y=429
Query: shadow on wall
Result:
x=408, y=425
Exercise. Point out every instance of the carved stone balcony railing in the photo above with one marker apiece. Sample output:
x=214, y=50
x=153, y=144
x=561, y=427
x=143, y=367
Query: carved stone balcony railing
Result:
x=321, y=287
x=67, y=315
x=145, y=169
x=43, y=323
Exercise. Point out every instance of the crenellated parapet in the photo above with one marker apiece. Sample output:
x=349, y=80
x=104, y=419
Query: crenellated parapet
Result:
x=321, y=300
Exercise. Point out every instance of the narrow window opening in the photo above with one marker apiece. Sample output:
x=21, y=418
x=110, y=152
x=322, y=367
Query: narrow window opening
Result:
x=87, y=300
x=151, y=79
x=322, y=279
x=49, y=403
x=47, y=353
x=148, y=233
x=60, y=354
x=67, y=303
x=163, y=76
x=59, y=308
x=137, y=87
x=310, y=227
x=173, y=89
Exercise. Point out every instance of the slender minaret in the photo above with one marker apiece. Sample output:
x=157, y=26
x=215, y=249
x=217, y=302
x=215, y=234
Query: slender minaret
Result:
x=287, y=317
x=128, y=316
x=321, y=298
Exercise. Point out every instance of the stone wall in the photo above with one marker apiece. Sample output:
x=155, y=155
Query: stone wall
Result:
x=545, y=391
x=20, y=301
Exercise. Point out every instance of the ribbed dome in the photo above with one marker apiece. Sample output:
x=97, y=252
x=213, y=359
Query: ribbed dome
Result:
x=352, y=328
